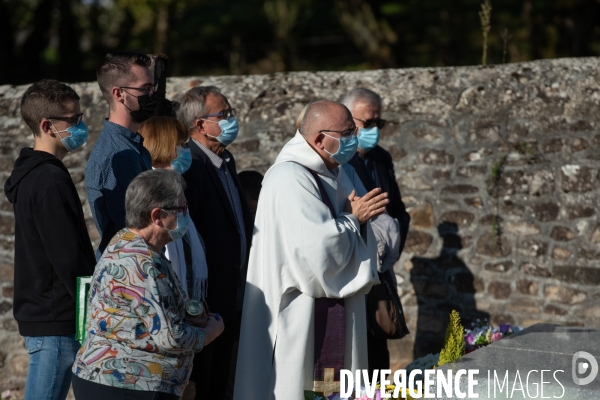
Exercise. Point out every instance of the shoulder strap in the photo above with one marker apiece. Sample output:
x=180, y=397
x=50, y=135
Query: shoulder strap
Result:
x=324, y=196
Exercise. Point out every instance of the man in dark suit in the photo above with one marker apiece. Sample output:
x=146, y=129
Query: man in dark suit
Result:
x=375, y=168
x=220, y=212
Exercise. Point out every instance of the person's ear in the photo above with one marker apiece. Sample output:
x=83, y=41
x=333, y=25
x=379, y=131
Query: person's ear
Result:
x=117, y=95
x=155, y=216
x=318, y=141
x=199, y=124
x=46, y=127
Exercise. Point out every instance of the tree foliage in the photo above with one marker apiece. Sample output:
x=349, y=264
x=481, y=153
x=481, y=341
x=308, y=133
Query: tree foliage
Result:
x=65, y=39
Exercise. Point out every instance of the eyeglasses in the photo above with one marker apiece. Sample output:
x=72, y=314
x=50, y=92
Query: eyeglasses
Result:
x=177, y=209
x=145, y=90
x=369, y=123
x=349, y=132
x=75, y=119
x=224, y=114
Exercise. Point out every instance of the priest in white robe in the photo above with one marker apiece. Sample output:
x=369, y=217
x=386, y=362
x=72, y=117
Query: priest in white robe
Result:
x=301, y=252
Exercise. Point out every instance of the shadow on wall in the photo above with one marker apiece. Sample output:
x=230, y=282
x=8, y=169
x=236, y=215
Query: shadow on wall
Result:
x=442, y=284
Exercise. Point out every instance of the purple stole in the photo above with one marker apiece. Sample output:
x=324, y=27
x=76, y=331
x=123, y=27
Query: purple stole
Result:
x=329, y=330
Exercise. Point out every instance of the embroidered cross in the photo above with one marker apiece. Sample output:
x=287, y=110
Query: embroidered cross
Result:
x=328, y=385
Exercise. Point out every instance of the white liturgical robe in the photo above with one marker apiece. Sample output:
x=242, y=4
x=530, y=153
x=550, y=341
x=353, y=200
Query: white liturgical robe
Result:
x=299, y=253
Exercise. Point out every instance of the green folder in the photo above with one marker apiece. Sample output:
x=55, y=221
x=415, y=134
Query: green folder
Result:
x=83, y=288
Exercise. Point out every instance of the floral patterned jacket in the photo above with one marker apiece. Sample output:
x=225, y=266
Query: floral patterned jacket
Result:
x=136, y=336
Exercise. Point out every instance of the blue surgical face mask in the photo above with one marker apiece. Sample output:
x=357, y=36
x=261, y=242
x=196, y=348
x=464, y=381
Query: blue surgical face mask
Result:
x=183, y=223
x=368, y=138
x=183, y=161
x=346, y=149
x=229, y=131
x=79, y=135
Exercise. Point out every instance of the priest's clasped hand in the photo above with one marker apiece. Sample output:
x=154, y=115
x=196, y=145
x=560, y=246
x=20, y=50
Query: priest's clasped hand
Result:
x=369, y=206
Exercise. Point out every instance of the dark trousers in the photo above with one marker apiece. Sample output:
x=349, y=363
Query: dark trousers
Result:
x=214, y=367
x=87, y=390
x=379, y=356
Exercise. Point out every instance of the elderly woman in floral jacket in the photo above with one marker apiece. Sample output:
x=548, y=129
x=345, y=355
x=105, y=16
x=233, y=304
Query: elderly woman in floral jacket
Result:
x=140, y=343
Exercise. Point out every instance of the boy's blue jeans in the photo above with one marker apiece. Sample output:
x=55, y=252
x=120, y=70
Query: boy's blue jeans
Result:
x=50, y=362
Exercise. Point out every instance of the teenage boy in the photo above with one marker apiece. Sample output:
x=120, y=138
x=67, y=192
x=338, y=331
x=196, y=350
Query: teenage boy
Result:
x=52, y=245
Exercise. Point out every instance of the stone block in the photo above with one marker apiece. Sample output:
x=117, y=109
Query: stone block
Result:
x=493, y=245
x=441, y=174
x=474, y=202
x=595, y=236
x=580, y=275
x=431, y=323
x=532, y=269
x=17, y=365
x=524, y=306
x=6, y=272
x=589, y=254
x=508, y=207
x=420, y=266
x=491, y=219
x=413, y=182
x=7, y=225
x=562, y=234
x=565, y=295
x=498, y=319
x=459, y=189
x=244, y=146
x=576, y=178
x=579, y=144
x=460, y=218
x=465, y=282
x=554, y=310
x=527, y=287
x=396, y=152
x=426, y=288
x=499, y=267
x=590, y=313
x=579, y=211
x=5, y=306
x=422, y=216
x=435, y=157
x=9, y=324
x=558, y=253
x=545, y=212
x=554, y=145
x=581, y=126
x=417, y=242
x=484, y=130
x=472, y=171
x=522, y=228
x=8, y=291
x=533, y=248
x=534, y=183
x=478, y=155
x=500, y=290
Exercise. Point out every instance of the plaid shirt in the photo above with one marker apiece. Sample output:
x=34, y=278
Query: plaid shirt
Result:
x=118, y=157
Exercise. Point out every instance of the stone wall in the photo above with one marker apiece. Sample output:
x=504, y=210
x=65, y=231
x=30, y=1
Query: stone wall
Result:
x=497, y=165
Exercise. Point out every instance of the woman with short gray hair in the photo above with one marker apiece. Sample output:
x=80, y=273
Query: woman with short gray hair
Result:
x=140, y=340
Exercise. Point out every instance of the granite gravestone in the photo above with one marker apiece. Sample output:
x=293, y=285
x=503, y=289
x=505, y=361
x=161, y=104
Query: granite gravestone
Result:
x=542, y=361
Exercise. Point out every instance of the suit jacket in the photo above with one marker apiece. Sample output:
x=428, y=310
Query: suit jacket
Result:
x=215, y=221
x=384, y=169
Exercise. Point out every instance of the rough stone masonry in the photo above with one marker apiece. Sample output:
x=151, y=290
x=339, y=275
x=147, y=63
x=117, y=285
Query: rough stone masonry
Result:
x=498, y=166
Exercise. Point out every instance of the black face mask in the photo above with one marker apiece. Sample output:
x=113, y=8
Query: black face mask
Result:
x=148, y=105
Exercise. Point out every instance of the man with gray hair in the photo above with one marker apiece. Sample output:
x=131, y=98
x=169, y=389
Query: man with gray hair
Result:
x=375, y=168
x=223, y=219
